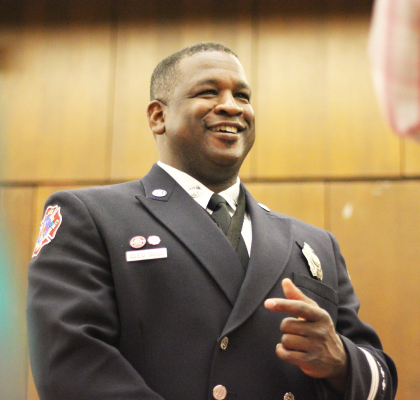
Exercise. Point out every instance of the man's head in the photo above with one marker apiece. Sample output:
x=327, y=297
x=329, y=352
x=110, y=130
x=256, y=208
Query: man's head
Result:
x=204, y=122
x=166, y=74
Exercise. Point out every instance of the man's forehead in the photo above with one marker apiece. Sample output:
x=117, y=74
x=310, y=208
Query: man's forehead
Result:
x=240, y=84
x=212, y=67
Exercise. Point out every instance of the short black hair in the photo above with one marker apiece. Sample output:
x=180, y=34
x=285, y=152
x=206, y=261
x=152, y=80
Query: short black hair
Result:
x=166, y=74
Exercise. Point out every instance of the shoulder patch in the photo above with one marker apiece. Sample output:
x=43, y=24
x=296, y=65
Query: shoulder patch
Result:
x=48, y=229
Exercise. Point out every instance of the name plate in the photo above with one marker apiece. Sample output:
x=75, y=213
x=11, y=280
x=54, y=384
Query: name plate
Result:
x=149, y=254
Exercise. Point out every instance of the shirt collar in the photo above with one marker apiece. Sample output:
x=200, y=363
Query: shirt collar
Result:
x=200, y=193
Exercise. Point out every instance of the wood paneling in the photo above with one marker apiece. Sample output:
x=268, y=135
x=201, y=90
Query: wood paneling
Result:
x=411, y=156
x=317, y=113
x=300, y=200
x=54, y=100
x=16, y=215
x=74, y=86
x=163, y=29
x=377, y=225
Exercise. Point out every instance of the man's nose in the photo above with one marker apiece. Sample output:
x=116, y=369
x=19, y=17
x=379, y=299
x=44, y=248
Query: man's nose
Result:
x=227, y=104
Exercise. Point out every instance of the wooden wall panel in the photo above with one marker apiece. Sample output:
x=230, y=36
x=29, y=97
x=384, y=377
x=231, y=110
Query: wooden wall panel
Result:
x=411, y=157
x=54, y=99
x=317, y=113
x=31, y=393
x=16, y=215
x=300, y=200
x=161, y=30
x=377, y=225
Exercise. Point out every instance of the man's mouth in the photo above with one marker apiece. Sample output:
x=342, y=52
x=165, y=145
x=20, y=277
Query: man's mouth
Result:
x=225, y=128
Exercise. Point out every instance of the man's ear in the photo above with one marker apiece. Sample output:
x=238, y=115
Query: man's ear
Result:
x=156, y=117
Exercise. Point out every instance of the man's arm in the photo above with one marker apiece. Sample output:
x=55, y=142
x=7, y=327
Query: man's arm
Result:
x=73, y=318
x=348, y=359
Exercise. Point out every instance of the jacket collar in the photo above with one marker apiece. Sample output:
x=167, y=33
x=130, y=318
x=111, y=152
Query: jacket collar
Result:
x=178, y=212
x=271, y=249
x=271, y=244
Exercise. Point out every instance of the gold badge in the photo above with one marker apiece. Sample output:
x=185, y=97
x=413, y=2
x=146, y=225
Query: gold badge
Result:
x=313, y=261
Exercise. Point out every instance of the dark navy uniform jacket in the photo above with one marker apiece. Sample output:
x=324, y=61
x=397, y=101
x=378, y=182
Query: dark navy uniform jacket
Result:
x=104, y=328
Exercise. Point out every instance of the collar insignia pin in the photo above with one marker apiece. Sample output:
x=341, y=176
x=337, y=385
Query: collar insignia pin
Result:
x=264, y=207
x=313, y=261
x=159, y=193
x=194, y=191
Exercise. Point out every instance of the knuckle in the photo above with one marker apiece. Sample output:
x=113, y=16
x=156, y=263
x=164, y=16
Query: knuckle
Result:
x=286, y=340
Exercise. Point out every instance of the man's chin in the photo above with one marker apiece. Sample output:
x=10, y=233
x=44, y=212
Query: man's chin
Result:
x=228, y=159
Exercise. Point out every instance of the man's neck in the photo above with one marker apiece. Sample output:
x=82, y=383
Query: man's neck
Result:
x=215, y=186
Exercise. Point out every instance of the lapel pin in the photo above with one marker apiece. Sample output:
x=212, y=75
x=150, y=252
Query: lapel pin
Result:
x=137, y=242
x=153, y=240
x=289, y=396
x=194, y=191
x=313, y=261
x=159, y=193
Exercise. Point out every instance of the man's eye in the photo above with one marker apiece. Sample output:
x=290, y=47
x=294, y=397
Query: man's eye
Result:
x=209, y=92
x=243, y=96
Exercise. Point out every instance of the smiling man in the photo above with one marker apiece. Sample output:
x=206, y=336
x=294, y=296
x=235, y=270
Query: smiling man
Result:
x=181, y=285
x=204, y=125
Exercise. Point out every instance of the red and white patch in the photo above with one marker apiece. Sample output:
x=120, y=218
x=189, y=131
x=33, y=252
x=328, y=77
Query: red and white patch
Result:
x=48, y=229
x=137, y=242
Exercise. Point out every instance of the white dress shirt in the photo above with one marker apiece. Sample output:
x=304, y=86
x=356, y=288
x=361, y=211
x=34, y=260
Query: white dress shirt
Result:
x=202, y=194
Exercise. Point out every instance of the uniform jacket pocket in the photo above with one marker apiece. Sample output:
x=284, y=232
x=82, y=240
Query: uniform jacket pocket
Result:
x=325, y=296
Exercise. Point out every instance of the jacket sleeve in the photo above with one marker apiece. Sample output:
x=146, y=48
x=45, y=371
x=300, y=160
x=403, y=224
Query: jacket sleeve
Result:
x=72, y=314
x=372, y=374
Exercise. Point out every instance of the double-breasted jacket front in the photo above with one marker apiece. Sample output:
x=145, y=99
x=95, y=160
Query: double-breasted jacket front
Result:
x=175, y=327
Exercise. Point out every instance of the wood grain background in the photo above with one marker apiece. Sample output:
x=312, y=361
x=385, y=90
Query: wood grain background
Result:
x=74, y=83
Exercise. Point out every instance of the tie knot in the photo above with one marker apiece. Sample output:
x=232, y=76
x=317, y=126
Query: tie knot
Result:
x=215, y=200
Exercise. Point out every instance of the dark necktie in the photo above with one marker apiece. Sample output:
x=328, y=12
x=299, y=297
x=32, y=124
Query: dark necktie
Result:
x=231, y=227
x=220, y=212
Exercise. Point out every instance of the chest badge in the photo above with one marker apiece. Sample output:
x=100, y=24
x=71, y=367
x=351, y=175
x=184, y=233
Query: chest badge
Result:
x=153, y=240
x=137, y=242
x=313, y=261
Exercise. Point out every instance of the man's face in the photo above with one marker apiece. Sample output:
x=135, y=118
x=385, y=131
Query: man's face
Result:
x=209, y=121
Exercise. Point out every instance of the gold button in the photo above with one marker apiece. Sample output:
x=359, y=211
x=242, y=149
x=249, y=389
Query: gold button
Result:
x=224, y=343
x=219, y=392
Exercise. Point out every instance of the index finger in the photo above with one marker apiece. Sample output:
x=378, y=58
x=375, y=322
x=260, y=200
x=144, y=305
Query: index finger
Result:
x=300, y=309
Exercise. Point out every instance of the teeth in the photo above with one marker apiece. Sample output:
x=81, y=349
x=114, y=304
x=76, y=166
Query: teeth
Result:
x=226, y=128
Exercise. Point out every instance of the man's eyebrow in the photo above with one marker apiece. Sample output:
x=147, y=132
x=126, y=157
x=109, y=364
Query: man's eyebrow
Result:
x=241, y=84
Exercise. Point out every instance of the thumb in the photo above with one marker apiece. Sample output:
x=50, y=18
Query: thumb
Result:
x=293, y=293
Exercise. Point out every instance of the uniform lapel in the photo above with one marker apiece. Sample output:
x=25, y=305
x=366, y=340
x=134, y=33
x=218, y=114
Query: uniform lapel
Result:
x=271, y=249
x=180, y=213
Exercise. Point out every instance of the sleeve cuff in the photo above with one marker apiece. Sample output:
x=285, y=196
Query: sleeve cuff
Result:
x=375, y=375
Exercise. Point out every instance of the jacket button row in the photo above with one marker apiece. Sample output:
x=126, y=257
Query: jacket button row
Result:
x=224, y=343
x=219, y=392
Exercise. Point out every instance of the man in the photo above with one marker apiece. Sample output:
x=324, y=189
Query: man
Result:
x=148, y=289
